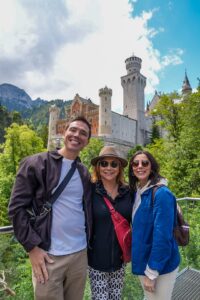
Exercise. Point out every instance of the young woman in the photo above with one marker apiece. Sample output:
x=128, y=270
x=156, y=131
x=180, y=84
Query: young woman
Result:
x=155, y=255
x=106, y=268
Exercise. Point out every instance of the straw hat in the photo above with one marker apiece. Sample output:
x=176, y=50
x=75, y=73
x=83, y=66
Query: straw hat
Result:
x=109, y=151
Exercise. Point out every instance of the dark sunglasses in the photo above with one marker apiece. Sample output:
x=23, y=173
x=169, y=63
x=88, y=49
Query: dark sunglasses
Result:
x=136, y=163
x=104, y=163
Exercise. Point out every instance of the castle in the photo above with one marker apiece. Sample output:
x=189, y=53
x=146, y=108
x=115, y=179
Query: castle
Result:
x=124, y=130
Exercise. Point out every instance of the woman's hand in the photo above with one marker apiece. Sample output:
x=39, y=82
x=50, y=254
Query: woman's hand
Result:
x=149, y=285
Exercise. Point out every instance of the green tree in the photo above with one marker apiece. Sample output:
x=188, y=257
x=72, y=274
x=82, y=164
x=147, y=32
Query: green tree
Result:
x=132, y=151
x=168, y=112
x=16, y=117
x=92, y=150
x=155, y=134
x=42, y=131
x=5, y=121
x=20, y=141
x=185, y=164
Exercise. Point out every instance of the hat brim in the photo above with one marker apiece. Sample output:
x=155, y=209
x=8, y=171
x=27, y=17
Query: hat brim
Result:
x=95, y=160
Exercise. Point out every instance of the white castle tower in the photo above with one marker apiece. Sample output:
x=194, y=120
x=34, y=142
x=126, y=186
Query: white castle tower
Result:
x=54, y=113
x=133, y=95
x=105, y=120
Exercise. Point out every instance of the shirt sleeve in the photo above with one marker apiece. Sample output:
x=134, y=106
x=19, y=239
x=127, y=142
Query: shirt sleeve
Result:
x=151, y=274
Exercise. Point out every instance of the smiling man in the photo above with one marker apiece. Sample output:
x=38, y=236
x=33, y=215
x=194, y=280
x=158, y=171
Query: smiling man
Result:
x=59, y=262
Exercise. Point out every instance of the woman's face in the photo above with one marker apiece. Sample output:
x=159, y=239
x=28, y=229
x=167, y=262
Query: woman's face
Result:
x=109, y=169
x=141, y=167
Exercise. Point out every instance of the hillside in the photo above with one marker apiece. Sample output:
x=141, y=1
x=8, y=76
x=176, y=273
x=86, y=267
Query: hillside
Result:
x=14, y=98
x=40, y=115
x=33, y=111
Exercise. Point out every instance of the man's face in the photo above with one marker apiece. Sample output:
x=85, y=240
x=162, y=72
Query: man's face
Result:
x=76, y=136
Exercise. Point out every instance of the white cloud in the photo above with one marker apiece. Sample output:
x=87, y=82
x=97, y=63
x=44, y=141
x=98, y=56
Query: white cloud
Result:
x=55, y=49
x=174, y=58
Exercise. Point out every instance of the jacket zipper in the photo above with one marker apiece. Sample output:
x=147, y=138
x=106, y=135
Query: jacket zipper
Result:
x=87, y=222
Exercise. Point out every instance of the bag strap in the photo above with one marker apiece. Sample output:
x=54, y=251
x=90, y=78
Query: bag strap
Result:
x=154, y=189
x=110, y=206
x=47, y=206
x=114, y=214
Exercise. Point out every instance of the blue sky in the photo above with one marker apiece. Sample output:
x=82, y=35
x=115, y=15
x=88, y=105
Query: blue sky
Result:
x=181, y=27
x=56, y=48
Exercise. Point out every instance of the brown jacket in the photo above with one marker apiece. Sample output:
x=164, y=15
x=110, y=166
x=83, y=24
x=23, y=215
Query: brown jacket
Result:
x=37, y=176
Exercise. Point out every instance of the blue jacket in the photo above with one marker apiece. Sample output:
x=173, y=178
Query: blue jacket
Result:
x=153, y=243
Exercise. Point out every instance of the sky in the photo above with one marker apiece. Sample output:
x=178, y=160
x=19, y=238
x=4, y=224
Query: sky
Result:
x=54, y=49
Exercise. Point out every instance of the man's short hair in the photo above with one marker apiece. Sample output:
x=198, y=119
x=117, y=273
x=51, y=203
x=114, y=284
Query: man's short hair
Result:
x=82, y=119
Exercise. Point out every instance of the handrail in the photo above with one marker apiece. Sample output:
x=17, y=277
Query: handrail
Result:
x=188, y=198
x=6, y=229
x=9, y=229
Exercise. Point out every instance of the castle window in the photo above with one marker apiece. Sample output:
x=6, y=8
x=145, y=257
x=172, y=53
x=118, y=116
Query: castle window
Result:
x=105, y=98
x=105, y=110
x=105, y=122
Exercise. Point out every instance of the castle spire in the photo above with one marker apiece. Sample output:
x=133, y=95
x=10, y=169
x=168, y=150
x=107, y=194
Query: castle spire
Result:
x=186, y=87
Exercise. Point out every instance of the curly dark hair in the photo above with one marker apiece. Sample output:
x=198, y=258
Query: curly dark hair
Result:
x=155, y=168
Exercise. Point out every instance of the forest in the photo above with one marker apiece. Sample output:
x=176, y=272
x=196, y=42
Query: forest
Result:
x=178, y=154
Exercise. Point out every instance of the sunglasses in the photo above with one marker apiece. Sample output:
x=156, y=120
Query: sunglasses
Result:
x=104, y=164
x=144, y=163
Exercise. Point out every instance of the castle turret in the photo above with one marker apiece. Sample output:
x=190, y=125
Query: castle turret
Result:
x=133, y=95
x=105, y=120
x=54, y=113
x=186, y=87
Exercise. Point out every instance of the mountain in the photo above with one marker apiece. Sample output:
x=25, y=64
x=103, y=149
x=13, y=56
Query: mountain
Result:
x=14, y=98
x=37, y=111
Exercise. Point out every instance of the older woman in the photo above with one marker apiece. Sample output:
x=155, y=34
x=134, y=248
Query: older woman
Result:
x=106, y=267
x=155, y=255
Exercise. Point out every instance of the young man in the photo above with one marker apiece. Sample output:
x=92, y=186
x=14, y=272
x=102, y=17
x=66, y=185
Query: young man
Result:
x=60, y=272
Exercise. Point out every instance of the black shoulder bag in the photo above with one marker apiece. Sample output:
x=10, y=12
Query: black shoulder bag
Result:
x=41, y=222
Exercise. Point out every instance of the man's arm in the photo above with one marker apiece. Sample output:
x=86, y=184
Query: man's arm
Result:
x=21, y=198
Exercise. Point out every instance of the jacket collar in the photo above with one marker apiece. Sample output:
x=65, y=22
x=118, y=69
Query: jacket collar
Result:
x=57, y=155
x=123, y=189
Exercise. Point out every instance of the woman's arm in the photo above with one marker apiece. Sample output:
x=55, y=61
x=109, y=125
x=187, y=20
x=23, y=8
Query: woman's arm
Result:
x=163, y=214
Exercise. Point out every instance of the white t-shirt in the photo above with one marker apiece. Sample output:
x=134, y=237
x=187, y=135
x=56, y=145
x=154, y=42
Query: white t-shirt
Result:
x=68, y=233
